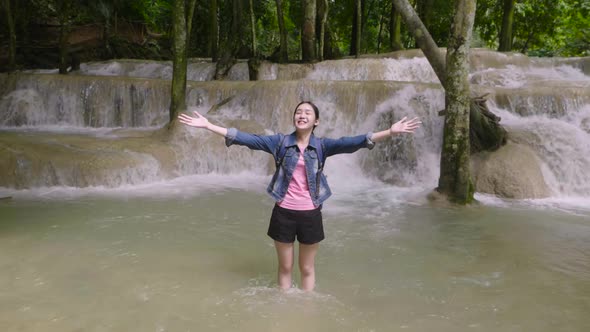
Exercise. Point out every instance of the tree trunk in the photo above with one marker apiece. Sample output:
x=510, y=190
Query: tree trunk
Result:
x=253, y=30
x=308, y=47
x=63, y=47
x=283, y=51
x=366, y=11
x=329, y=52
x=65, y=11
x=178, y=86
x=355, y=45
x=424, y=9
x=359, y=28
x=214, y=37
x=395, y=27
x=232, y=44
x=115, y=22
x=525, y=47
x=190, y=13
x=323, y=9
x=506, y=32
x=105, y=38
x=455, y=181
x=381, y=19
x=353, y=33
x=11, y=36
x=455, y=176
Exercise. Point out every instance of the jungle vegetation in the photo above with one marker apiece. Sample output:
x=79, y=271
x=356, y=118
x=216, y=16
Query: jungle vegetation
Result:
x=280, y=30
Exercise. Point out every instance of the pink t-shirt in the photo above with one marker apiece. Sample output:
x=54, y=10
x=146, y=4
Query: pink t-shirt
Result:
x=297, y=197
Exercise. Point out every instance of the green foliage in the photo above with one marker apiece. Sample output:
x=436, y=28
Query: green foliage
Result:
x=378, y=13
x=534, y=24
x=573, y=35
x=340, y=21
x=541, y=27
x=156, y=14
x=488, y=22
x=440, y=20
x=267, y=29
x=64, y=11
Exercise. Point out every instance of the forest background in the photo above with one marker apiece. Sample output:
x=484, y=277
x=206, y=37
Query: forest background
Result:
x=34, y=33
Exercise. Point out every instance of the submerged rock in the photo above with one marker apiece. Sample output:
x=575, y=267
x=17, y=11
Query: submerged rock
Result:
x=119, y=157
x=37, y=159
x=513, y=171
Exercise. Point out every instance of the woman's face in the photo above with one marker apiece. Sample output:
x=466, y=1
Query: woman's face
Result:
x=304, y=118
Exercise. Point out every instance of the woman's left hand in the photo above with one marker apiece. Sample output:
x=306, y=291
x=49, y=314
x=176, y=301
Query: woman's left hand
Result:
x=405, y=126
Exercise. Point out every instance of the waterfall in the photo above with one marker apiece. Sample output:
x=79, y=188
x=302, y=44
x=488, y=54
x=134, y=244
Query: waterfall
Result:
x=545, y=104
x=561, y=142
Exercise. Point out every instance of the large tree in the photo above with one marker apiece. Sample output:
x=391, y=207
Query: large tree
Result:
x=233, y=41
x=253, y=29
x=395, y=24
x=283, y=51
x=182, y=13
x=455, y=178
x=425, y=10
x=66, y=12
x=11, y=35
x=357, y=26
x=323, y=9
x=214, y=31
x=507, y=21
x=308, y=41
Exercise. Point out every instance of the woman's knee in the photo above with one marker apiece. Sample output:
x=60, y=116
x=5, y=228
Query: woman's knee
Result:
x=285, y=267
x=307, y=259
x=306, y=268
x=285, y=255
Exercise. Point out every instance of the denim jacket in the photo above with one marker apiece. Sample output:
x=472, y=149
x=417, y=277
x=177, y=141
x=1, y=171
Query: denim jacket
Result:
x=318, y=185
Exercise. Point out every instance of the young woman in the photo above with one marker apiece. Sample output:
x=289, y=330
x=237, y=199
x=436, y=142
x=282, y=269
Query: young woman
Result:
x=299, y=186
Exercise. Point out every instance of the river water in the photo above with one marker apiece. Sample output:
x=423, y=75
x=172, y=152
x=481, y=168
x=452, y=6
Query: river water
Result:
x=108, y=229
x=192, y=255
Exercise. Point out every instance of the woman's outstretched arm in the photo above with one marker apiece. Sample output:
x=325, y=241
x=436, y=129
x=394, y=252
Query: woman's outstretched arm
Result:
x=267, y=143
x=402, y=126
x=199, y=121
x=353, y=143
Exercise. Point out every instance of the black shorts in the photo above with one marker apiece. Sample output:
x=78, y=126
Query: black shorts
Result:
x=287, y=224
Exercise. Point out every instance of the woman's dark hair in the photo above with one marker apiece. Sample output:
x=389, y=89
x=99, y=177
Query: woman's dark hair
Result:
x=315, y=108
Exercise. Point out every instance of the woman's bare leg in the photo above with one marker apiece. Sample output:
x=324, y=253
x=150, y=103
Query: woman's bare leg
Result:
x=285, y=254
x=307, y=254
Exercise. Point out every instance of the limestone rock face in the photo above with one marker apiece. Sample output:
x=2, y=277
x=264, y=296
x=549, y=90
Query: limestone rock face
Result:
x=513, y=171
x=39, y=159
x=118, y=157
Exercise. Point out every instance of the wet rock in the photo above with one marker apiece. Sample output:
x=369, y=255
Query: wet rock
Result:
x=513, y=171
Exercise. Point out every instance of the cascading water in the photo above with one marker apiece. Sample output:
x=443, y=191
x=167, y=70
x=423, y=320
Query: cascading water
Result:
x=562, y=145
x=355, y=96
x=546, y=106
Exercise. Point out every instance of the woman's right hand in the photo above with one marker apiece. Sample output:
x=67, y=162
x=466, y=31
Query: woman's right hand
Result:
x=198, y=121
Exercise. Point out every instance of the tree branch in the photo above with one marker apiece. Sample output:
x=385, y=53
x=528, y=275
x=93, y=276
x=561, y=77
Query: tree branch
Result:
x=423, y=38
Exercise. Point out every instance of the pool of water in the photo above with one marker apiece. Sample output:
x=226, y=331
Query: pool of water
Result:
x=165, y=260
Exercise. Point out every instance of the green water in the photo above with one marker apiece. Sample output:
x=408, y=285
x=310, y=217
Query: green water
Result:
x=203, y=263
